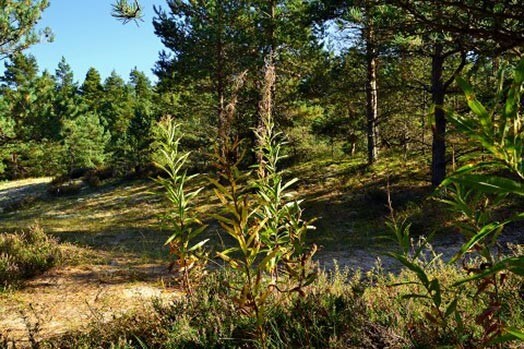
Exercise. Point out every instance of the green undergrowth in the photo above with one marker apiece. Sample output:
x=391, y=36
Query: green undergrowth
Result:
x=341, y=309
x=350, y=199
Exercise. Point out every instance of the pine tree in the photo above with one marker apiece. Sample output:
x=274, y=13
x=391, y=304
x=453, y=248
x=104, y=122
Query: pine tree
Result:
x=447, y=34
x=17, y=19
x=85, y=140
x=67, y=101
x=139, y=131
x=92, y=90
x=18, y=88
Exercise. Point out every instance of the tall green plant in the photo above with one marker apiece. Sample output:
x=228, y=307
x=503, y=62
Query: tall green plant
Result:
x=284, y=226
x=442, y=314
x=472, y=192
x=183, y=217
x=264, y=222
x=477, y=186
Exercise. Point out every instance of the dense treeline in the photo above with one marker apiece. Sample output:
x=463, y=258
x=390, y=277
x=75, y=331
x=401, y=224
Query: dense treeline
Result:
x=352, y=76
x=51, y=125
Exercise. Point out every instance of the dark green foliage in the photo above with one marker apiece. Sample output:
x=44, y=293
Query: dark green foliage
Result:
x=140, y=129
x=473, y=193
x=82, y=151
x=26, y=254
x=51, y=112
x=92, y=90
x=67, y=101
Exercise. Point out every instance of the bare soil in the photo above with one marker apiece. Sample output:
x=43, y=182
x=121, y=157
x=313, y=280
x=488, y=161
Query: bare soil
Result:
x=69, y=298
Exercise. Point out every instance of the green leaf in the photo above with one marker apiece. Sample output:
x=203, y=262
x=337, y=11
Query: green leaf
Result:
x=490, y=184
x=518, y=334
x=451, y=308
x=421, y=274
x=197, y=231
x=518, y=78
x=198, y=245
x=484, y=231
x=476, y=106
x=269, y=257
x=510, y=335
x=512, y=264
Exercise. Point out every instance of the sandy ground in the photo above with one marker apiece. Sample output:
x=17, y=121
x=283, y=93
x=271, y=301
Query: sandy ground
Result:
x=69, y=298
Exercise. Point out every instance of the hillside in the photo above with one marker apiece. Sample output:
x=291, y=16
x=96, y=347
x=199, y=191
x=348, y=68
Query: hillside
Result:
x=113, y=237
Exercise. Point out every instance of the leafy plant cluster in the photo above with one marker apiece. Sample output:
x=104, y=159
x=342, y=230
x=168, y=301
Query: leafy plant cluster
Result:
x=272, y=261
x=339, y=310
x=473, y=192
x=183, y=218
x=263, y=219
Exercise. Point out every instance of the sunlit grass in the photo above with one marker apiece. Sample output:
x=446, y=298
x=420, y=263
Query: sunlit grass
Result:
x=123, y=217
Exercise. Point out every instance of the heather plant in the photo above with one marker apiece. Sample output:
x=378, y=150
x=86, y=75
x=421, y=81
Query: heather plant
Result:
x=183, y=218
x=26, y=254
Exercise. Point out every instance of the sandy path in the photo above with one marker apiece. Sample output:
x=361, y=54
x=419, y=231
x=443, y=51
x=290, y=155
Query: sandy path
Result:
x=69, y=298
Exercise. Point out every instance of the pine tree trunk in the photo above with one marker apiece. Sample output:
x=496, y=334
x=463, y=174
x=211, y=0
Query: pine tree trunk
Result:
x=371, y=96
x=438, y=161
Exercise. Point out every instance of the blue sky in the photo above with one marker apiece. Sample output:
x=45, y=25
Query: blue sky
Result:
x=87, y=36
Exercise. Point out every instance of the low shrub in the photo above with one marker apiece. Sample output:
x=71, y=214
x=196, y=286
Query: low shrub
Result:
x=26, y=254
x=327, y=315
x=70, y=187
x=341, y=309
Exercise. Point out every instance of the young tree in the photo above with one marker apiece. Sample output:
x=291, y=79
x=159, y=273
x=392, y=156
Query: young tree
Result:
x=85, y=140
x=116, y=108
x=18, y=88
x=67, y=100
x=139, y=132
x=92, y=90
x=115, y=112
x=141, y=86
x=204, y=40
x=29, y=122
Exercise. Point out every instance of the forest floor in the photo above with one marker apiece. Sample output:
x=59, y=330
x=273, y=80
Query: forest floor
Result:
x=112, y=238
